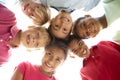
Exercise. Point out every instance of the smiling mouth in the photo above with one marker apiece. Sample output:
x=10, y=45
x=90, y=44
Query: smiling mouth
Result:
x=65, y=19
x=48, y=65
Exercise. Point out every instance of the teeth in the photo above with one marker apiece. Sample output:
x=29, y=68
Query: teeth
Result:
x=48, y=65
x=84, y=52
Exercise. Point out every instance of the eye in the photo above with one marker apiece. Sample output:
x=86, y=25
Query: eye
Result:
x=56, y=27
x=32, y=16
x=88, y=34
x=37, y=35
x=65, y=31
x=49, y=54
x=80, y=43
x=58, y=60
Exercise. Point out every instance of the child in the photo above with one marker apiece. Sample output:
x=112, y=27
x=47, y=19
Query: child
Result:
x=11, y=36
x=54, y=56
x=61, y=26
x=78, y=47
x=101, y=62
x=86, y=27
x=39, y=13
x=70, y=5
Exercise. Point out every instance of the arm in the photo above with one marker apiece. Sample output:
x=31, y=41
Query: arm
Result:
x=17, y=75
x=103, y=21
x=19, y=72
x=83, y=77
x=7, y=17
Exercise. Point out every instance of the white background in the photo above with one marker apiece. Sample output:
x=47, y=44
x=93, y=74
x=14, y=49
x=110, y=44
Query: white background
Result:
x=70, y=70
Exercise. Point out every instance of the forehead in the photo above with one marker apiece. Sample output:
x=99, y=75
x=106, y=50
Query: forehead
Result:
x=56, y=51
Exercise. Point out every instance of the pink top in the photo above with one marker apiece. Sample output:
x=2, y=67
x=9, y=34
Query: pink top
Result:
x=8, y=30
x=104, y=62
x=32, y=72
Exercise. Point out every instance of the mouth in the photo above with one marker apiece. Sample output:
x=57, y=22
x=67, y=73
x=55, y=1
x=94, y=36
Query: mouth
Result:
x=65, y=19
x=81, y=53
x=84, y=51
x=48, y=65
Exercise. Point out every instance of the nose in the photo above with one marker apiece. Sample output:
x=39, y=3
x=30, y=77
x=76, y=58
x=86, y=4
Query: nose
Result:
x=51, y=61
x=63, y=24
x=34, y=39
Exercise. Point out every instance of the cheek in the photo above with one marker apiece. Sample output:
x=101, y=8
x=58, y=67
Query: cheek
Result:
x=78, y=29
x=56, y=65
x=80, y=32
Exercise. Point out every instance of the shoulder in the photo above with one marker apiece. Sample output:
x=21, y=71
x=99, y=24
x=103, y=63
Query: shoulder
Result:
x=106, y=47
x=5, y=11
x=24, y=64
x=6, y=14
x=22, y=67
x=107, y=1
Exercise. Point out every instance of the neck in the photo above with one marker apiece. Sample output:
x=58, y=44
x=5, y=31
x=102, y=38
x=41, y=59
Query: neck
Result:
x=16, y=40
x=48, y=74
x=103, y=21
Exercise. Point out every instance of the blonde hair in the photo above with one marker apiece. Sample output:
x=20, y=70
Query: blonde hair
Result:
x=45, y=38
x=45, y=13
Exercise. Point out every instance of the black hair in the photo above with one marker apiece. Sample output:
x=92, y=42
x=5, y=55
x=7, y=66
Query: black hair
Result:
x=76, y=25
x=59, y=44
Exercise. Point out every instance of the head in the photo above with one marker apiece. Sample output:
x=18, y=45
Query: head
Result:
x=36, y=37
x=86, y=27
x=39, y=13
x=61, y=26
x=80, y=48
x=55, y=54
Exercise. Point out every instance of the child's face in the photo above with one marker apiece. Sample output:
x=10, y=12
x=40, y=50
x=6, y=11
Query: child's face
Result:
x=61, y=25
x=32, y=38
x=29, y=8
x=87, y=27
x=79, y=48
x=53, y=57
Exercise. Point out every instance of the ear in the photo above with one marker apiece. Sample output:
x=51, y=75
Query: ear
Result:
x=87, y=15
x=52, y=20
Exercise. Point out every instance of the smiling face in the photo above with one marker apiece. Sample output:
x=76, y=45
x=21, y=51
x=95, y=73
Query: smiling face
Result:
x=87, y=27
x=35, y=38
x=53, y=57
x=61, y=25
x=39, y=13
x=79, y=48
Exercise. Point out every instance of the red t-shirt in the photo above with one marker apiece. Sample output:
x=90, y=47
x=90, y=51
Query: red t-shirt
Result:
x=32, y=72
x=104, y=62
x=8, y=30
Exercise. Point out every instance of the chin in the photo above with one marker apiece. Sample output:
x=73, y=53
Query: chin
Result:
x=25, y=45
